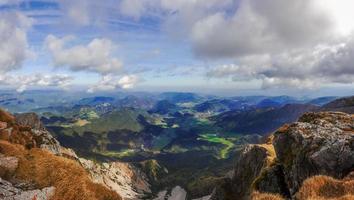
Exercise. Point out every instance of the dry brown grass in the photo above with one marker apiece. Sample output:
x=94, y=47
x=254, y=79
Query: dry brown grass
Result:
x=44, y=169
x=324, y=187
x=271, y=155
x=6, y=117
x=265, y=196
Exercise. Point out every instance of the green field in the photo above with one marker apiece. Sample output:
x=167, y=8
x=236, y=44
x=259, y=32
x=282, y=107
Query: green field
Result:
x=114, y=154
x=215, y=139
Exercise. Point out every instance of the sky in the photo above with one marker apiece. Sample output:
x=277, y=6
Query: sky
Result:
x=295, y=47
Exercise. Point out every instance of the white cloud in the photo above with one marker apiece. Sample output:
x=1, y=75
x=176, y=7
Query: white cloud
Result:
x=301, y=44
x=111, y=82
x=42, y=80
x=262, y=27
x=305, y=68
x=13, y=36
x=96, y=56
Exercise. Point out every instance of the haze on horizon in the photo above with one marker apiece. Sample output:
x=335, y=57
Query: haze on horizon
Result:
x=245, y=47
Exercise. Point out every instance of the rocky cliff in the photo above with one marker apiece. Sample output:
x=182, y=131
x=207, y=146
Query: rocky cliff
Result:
x=310, y=159
x=33, y=165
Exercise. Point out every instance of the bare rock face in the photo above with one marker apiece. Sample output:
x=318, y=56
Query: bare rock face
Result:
x=320, y=143
x=249, y=165
x=122, y=178
x=10, y=192
x=43, y=138
x=271, y=180
x=29, y=119
x=27, y=129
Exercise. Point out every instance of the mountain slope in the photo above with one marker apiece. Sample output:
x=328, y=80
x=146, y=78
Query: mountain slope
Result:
x=122, y=119
x=220, y=105
x=33, y=165
x=345, y=104
x=261, y=121
x=164, y=107
x=322, y=100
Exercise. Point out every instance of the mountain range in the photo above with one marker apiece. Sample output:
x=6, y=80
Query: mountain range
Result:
x=181, y=145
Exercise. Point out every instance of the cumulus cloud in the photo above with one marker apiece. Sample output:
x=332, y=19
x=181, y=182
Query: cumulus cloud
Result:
x=304, y=43
x=13, y=35
x=298, y=44
x=306, y=68
x=23, y=82
x=111, y=82
x=262, y=27
x=96, y=56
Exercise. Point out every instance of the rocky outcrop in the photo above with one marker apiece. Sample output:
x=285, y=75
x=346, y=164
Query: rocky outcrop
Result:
x=252, y=160
x=10, y=192
x=29, y=153
x=30, y=120
x=27, y=130
x=272, y=180
x=318, y=144
x=43, y=138
x=123, y=178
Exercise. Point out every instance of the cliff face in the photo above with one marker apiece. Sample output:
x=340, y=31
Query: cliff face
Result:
x=318, y=144
x=122, y=178
x=33, y=165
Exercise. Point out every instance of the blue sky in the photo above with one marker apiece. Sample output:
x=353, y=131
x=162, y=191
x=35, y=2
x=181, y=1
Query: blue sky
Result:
x=212, y=46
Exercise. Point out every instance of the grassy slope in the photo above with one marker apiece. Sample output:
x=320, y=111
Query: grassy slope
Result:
x=125, y=119
x=44, y=169
x=215, y=139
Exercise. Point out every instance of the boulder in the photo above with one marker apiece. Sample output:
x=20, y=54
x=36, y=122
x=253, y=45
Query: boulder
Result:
x=320, y=143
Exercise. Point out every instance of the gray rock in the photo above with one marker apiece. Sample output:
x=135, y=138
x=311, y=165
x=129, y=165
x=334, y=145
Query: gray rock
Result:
x=320, y=143
x=271, y=180
x=123, y=178
x=249, y=165
x=10, y=192
x=177, y=193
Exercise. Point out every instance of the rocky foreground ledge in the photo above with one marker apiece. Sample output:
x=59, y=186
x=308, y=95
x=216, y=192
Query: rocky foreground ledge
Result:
x=34, y=166
x=310, y=159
